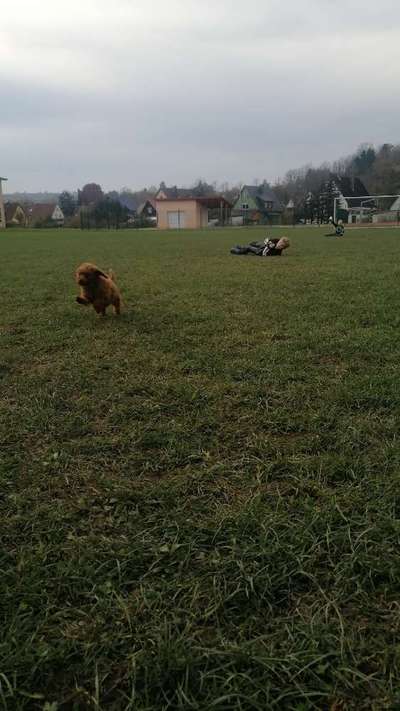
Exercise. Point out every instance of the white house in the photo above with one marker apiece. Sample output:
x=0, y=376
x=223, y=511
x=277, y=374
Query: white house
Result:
x=396, y=205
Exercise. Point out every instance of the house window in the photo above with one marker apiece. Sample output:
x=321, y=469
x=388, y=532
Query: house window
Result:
x=245, y=206
x=269, y=205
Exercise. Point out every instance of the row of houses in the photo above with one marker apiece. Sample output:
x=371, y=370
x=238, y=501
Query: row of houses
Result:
x=18, y=215
x=174, y=208
x=169, y=208
x=177, y=208
x=255, y=204
x=345, y=197
x=14, y=214
x=348, y=198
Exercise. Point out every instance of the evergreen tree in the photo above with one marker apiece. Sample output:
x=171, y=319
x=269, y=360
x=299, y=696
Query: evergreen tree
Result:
x=67, y=203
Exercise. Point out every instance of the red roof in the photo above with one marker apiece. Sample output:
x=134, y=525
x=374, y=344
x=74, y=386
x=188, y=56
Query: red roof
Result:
x=40, y=210
x=212, y=201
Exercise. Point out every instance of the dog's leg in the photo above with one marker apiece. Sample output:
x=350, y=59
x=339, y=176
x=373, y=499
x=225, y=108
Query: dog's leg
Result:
x=82, y=298
x=117, y=307
x=100, y=309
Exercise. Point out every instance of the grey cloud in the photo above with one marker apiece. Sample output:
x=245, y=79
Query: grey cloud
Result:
x=183, y=89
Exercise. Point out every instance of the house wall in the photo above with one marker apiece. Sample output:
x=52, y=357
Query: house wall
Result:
x=18, y=218
x=245, y=198
x=271, y=215
x=203, y=216
x=58, y=214
x=288, y=217
x=195, y=216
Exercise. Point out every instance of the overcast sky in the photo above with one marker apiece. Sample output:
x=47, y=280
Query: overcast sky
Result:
x=131, y=92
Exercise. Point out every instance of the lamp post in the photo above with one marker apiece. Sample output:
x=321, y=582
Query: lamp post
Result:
x=2, y=211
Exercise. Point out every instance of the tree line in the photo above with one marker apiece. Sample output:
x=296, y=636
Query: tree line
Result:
x=377, y=167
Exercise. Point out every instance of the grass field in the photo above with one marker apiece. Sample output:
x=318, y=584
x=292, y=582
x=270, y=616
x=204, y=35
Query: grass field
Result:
x=200, y=501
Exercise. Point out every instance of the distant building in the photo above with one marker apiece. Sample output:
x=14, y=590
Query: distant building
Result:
x=137, y=211
x=15, y=215
x=258, y=204
x=396, y=205
x=147, y=211
x=191, y=213
x=45, y=214
x=130, y=202
x=172, y=193
x=2, y=210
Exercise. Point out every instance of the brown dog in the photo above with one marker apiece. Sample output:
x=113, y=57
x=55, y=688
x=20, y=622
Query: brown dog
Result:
x=97, y=289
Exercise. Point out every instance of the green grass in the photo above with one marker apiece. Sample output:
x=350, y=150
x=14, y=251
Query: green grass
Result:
x=200, y=501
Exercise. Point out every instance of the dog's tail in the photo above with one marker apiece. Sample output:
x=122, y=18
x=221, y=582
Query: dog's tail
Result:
x=111, y=275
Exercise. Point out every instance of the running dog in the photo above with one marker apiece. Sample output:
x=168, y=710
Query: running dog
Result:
x=97, y=289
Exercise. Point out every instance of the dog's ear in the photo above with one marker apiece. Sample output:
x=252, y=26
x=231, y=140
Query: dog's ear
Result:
x=98, y=273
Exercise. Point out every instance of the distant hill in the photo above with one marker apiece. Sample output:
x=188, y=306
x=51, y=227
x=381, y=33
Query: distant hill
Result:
x=31, y=197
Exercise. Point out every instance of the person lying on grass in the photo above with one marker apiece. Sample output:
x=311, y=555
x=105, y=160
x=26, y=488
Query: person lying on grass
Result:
x=339, y=228
x=267, y=248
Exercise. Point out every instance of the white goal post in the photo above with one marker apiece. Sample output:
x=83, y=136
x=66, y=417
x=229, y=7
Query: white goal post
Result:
x=373, y=209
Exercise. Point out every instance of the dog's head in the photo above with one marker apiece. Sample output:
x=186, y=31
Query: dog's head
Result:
x=87, y=275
